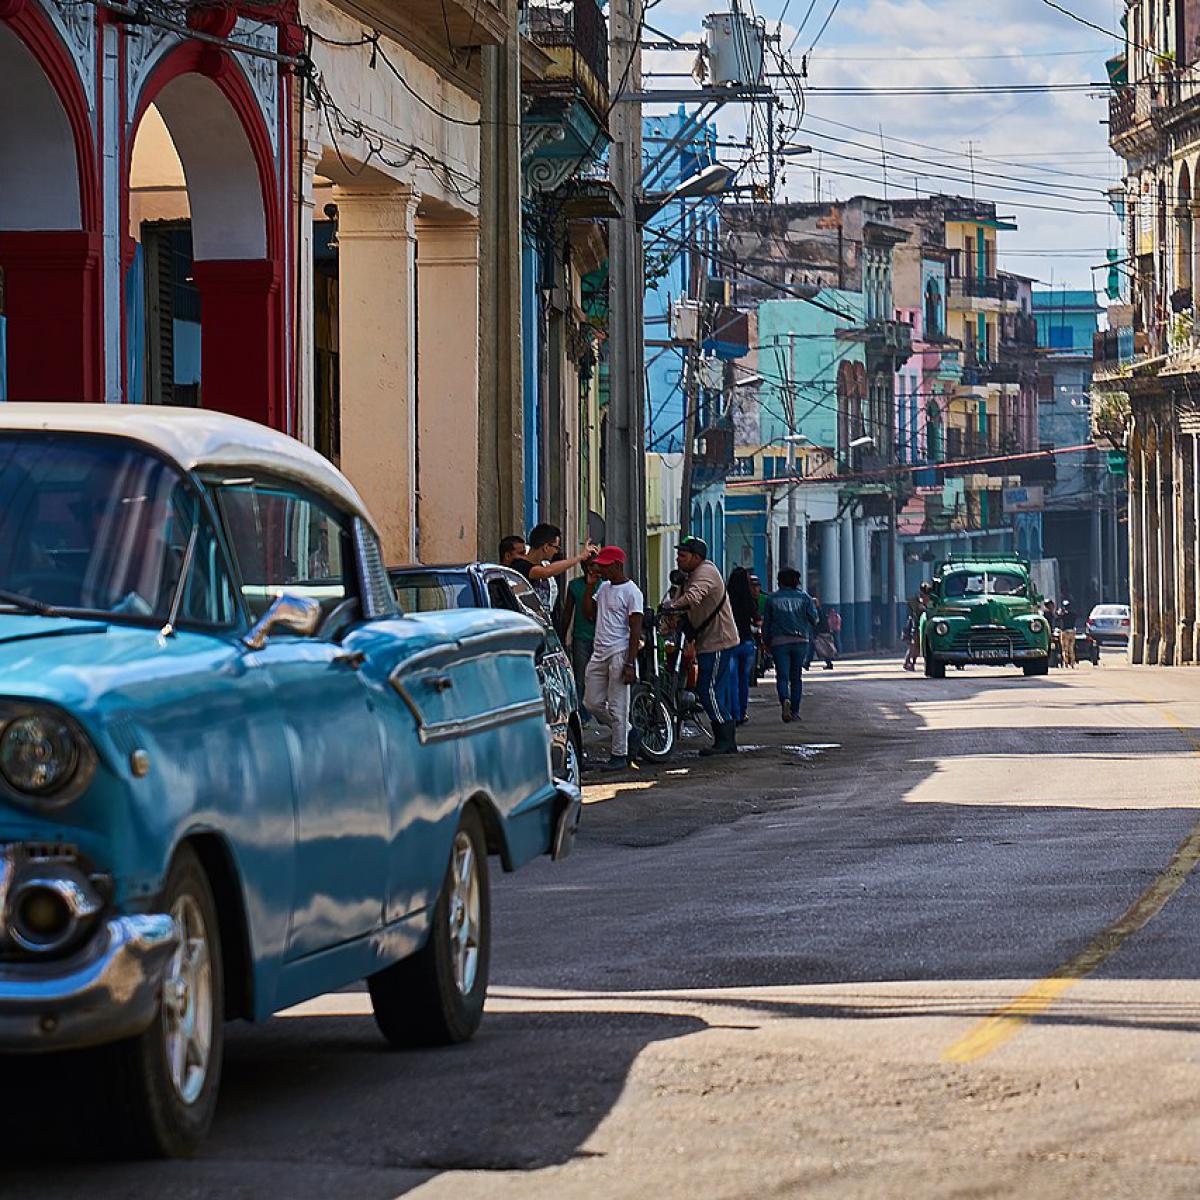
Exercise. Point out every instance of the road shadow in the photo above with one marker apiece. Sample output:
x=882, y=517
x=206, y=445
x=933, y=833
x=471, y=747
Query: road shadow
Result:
x=301, y=1095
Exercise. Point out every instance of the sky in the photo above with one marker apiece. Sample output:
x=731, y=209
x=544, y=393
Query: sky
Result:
x=1042, y=157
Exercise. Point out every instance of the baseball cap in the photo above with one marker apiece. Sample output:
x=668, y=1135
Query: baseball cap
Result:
x=609, y=555
x=693, y=545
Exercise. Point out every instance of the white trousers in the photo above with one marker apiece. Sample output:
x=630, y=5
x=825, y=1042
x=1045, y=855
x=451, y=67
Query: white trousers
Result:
x=606, y=697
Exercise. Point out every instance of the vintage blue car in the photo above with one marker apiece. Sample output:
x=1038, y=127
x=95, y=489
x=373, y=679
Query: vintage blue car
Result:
x=233, y=775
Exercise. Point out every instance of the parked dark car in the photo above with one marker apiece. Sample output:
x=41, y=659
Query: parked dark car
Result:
x=488, y=585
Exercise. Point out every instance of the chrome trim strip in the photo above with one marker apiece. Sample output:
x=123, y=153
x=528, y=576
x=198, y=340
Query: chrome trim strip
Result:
x=440, y=731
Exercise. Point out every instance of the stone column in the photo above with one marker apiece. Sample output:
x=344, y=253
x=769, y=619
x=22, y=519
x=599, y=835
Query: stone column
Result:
x=1166, y=542
x=305, y=333
x=447, y=417
x=1185, y=550
x=862, y=584
x=801, y=563
x=1150, y=589
x=1194, y=545
x=377, y=358
x=831, y=565
x=849, y=597
x=1136, y=548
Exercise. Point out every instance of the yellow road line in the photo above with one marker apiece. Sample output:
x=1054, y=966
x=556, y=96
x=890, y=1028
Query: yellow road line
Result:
x=995, y=1030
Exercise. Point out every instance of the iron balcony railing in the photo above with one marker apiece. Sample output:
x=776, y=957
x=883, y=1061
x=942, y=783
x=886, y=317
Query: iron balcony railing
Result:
x=984, y=287
x=578, y=25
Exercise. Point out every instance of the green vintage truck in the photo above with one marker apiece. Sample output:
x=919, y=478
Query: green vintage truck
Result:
x=985, y=610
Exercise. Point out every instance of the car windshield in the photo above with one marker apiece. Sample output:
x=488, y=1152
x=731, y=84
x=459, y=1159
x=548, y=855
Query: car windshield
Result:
x=102, y=526
x=433, y=591
x=983, y=583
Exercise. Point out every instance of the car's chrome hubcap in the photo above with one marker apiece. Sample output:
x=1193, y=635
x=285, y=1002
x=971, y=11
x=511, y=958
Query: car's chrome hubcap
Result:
x=188, y=1003
x=465, y=918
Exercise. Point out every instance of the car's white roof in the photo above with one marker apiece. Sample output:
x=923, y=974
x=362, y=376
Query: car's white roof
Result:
x=195, y=439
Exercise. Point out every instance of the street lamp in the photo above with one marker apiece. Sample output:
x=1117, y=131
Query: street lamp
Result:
x=789, y=151
x=865, y=440
x=709, y=181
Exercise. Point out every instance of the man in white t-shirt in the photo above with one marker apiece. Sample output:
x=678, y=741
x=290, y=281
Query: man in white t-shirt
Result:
x=615, y=605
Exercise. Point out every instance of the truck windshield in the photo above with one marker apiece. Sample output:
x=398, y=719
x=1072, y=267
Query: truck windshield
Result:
x=100, y=525
x=983, y=583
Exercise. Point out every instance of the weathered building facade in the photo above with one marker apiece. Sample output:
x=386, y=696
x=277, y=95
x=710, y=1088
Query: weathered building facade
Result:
x=1149, y=403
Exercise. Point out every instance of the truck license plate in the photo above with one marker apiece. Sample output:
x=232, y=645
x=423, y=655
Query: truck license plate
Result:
x=991, y=653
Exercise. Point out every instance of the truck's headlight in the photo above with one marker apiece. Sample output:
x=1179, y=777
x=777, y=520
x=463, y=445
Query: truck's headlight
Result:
x=941, y=629
x=40, y=755
x=1036, y=625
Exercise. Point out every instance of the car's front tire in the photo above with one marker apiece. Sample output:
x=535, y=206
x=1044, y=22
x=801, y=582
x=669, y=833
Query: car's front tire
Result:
x=1037, y=666
x=935, y=668
x=164, y=1083
x=435, y=997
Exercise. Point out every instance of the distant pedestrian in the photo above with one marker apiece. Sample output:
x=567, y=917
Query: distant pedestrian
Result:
x=761, y=661
x=614, y=604
x=1067, y=622
x=789, y=623
x=578, y=631
x=714, y=633
x=822, y=644
x=741, y=666
x=538, y=564
x=917, y=606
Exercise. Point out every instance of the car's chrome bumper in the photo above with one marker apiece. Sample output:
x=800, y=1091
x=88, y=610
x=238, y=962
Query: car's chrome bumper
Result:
x=104, y=992
x=568, y=808
x=1020, y=654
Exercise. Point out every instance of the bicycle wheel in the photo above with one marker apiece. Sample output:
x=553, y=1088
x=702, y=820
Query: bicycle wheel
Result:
x=652, y=719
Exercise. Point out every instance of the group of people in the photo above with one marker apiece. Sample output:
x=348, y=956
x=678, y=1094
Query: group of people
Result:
x=734, y=631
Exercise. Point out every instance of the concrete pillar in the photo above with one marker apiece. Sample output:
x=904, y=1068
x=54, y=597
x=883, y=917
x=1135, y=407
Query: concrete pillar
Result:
x=1185, y=542
x=898, y=588
x=862, y=584
x=1150, y=553
x=849, y=597
x=831, y=565
x=1195, y=545
x=447, y=390
x=1166, y=544
x=1136, y=549
x=801, y=563
x=501, y=465
x=377, y=337
x=305, y=335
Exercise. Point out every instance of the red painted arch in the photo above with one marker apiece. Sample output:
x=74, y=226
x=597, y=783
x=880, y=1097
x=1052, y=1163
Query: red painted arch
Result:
x=207, y=60
x=41, y=39
x=244, y=328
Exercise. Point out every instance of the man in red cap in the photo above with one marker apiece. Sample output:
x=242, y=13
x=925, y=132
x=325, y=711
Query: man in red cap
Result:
x=616, y=606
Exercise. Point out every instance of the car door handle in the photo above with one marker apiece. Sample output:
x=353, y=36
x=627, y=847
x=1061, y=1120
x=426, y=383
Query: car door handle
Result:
x=352, y=660
x=440, y=683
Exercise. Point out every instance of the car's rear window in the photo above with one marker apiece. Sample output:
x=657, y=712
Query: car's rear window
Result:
x=433, y=591
x=1110, y=610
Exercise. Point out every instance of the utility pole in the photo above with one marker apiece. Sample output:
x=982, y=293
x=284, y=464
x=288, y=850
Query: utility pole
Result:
x=790, y=402
x=625, y=483
x=689, y=442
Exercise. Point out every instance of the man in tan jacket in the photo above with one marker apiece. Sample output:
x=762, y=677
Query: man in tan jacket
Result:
x=715, y=634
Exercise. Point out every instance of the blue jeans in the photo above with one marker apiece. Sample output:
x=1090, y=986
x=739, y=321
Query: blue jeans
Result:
x=789, y=682
x=710, y=687
x=741, y=667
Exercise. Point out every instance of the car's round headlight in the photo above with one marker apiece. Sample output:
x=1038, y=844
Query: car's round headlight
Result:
x=941, y=629
x=39, y=754
x=1036, y=625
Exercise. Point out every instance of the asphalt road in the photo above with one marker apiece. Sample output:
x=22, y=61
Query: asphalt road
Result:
x=950, y=952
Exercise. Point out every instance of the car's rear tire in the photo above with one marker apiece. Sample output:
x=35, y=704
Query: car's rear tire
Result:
x=161, y=1087
x=650, y=716
x=435, y=997
x=573, y=758
x=1037, y=666
x=935, y=668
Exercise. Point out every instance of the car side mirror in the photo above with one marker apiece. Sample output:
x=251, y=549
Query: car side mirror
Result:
x=296, y=614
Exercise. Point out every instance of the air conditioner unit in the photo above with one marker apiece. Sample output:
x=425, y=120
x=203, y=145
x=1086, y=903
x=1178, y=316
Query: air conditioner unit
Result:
x=735, y=49
x=685, y=321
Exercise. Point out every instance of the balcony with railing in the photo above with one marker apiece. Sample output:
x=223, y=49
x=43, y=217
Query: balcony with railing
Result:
x=574, y=34
x=983, y=287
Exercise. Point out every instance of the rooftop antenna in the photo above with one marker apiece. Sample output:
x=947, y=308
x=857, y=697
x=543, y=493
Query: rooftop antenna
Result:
x=971, y=156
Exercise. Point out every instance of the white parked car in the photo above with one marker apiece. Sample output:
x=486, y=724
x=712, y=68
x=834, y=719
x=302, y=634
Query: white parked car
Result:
x=1108, y=624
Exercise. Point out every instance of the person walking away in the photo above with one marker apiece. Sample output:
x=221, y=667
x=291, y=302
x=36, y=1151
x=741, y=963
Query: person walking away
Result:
x=714, y=633
x=511, y=547
x=539, y=565
x=579, y=631
x=760, y=599
x=1067, y=622
x=614, y=604
x=741, y=664
x=790, y=620
x=835, y=635
x=822, y=644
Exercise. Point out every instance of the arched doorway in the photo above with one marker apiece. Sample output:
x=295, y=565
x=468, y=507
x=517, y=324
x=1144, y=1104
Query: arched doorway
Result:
x=49, y=219
x=204, y=299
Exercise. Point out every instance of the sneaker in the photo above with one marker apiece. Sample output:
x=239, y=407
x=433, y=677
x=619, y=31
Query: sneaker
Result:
x=618, y=762
x=786, y=712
